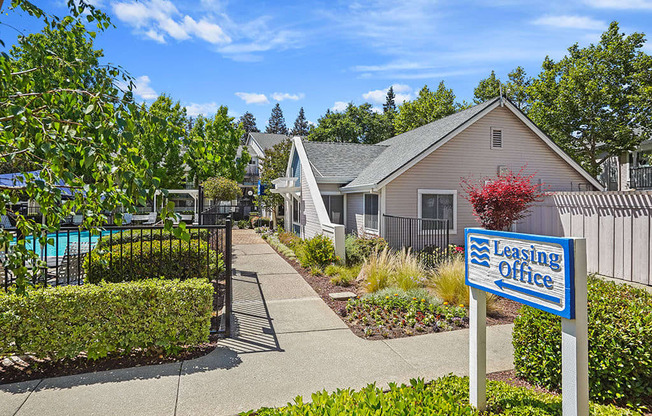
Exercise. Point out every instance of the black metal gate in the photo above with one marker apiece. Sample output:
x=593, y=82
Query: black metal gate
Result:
x=428, y=238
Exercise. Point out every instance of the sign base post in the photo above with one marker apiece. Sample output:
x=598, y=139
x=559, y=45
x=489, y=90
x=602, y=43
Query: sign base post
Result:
x=575, y=344
x=478, y=348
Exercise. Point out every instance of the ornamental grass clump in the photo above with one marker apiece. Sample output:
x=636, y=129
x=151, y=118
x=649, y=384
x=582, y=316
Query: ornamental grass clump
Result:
x=377, y=270
x=448, y=282
x=409, y=272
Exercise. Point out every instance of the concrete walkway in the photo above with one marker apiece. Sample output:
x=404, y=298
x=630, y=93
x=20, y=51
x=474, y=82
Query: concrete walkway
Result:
x=287, y=343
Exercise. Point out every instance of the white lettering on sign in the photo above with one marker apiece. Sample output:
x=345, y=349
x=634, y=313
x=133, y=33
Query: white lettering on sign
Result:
x=534, y=270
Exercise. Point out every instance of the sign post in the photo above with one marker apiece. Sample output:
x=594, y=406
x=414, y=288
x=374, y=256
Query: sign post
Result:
x=547, y=273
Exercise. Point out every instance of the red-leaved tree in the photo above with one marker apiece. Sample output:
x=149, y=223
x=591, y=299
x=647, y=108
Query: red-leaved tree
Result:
x=499, y=203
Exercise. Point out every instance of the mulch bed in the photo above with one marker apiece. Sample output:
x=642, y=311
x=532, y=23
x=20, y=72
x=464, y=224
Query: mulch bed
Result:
x=25, y=368
x=506, y=310
x=510, y=378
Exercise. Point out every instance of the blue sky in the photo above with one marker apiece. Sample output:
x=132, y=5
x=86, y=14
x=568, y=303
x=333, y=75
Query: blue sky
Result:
x=250, y=54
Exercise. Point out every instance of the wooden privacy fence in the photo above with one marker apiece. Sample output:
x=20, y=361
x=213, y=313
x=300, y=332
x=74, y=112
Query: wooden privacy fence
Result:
x=616, y=225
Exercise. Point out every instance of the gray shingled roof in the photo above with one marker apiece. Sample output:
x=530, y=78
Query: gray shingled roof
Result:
x=268, y=140
x=403, y=148
x=340, y=160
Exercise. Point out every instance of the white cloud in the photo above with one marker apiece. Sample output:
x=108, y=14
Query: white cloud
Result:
x=339, y=106
x=571, y=22
x=142, y=89
x=252, y=97
x=620, y=4
x=280, y=96
x=402, y=93
x=195, y=109
x=156, y=19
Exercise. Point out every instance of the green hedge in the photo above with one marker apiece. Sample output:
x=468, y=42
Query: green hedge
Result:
x=445, y=396
x=135, y=235
x=620, y=344
x=171, y=259
x=63, y=321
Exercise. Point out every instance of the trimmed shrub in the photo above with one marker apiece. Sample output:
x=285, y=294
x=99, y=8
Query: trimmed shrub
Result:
x=447, y=395
x=289, y=239
x=100, y=319
x=222, y=189
x=172, y=259
x=620, y=344
x=317, y=251
x=135, y=235
x=358, y=249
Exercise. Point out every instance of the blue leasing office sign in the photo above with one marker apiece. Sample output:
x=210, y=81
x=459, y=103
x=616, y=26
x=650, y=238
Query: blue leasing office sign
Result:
x=531, y=269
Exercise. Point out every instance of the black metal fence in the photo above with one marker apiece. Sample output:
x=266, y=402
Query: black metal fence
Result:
x=641, y=177
x=428, y=238
x=73, y=256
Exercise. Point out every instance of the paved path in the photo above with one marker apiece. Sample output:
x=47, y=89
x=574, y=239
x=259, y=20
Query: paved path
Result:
x=288, y=343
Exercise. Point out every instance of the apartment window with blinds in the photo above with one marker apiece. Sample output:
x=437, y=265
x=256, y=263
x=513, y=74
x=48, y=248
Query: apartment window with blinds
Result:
x=371, y=211
x=496, y=138
x=335, y=207
x=438, y=205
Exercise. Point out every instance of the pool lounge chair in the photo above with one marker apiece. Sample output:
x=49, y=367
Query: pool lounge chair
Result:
x=151, y=219
x=77, y=219
x=71, y=268
x=127, y=218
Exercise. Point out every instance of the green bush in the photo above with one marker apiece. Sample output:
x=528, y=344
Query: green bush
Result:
x=273, y=241
x=445, y=396
x=317, y=251
x=244, y=224
x=222, y=189
x=99, y=319
x=172, y=259
x=358, y=249
x=341, y=275
x=620, y=344
x=135, y=235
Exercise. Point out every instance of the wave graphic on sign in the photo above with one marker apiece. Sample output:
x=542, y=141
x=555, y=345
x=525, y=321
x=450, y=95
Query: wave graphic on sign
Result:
x=479, y=251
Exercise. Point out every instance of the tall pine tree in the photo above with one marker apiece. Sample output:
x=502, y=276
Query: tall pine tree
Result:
x=301, y=127
x=390, y=102
x=248, y=122
x=276, y=123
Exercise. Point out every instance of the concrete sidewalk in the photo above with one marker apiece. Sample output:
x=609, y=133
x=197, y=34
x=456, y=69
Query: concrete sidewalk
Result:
x=288, y=342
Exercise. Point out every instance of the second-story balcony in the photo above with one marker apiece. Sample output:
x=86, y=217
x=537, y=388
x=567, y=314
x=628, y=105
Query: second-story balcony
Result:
x=251, y=171
x=640, y=177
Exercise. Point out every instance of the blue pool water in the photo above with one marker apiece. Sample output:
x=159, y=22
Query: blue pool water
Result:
x=59, y=245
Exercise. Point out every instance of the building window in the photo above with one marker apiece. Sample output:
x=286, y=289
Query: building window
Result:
x=438, y=205
x=496, y=138
x=295, y=211
x=371, y=211
x=335, y=207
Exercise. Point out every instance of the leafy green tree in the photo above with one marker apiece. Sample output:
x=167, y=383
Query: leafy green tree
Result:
x=276, y=122
x=61, y=111
x=487, y=89
x=248, y=123
x=160, y=139
x=301, y=126
x=357, y=124
x=594, y=100
x=426, y=108
x=273, y=165
x=517, y=88
x=221, y=189
x=212, y=148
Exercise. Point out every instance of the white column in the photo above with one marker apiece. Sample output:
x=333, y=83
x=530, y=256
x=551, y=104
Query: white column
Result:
x=575, y=344
x=478, y=348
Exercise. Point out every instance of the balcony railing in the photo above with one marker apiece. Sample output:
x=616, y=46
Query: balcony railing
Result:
x=640, y=177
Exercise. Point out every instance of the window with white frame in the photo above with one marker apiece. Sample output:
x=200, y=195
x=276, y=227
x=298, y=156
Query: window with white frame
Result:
x=335, y=207
x=438, y=205
x=295, y=211
x=371, y=211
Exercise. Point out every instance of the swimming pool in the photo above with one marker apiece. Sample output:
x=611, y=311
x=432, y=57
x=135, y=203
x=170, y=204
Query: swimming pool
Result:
x=60, y=244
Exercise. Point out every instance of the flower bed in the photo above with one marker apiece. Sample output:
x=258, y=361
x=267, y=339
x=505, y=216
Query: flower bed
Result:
x=404, y=314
